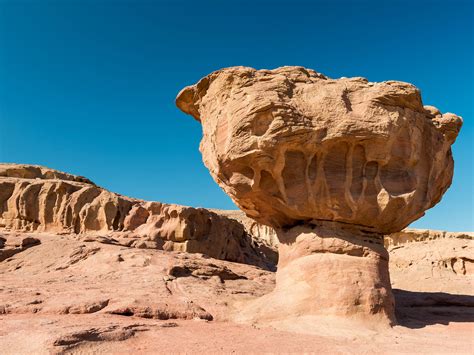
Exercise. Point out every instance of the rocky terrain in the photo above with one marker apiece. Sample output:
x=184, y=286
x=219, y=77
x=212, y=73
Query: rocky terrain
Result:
x=34, y=198
x=62, y=293
x=327, y=173
x=426, y=260
x=140, y=286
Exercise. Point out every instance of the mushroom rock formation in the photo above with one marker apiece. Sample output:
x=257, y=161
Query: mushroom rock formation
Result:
x=332, y=165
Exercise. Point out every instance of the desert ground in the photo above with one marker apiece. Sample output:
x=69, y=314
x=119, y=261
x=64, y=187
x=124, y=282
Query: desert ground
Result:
x=151, y=286
x=72, y=294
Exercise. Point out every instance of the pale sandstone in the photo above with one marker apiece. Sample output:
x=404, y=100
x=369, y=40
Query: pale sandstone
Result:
x=327, y=163
x=88, y=292
x=63, y=274
x=265, y=237
x=27, y=171
x=411, y=235
x=430, y=260
x=291, y=145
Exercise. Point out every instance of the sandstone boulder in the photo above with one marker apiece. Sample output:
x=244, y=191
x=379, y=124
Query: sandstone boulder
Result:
x=332, y=165
x=291, y=145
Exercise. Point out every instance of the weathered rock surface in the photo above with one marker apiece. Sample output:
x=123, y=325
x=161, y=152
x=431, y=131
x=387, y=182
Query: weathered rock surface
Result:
x=47, y=274
x=34, y=198
x=109, y=289
x=264, y=237
x=12, y=246
x=332, y=165
x=39, y=199
x=411, y=235
x=427, y=260
x=71, y=296
x=291, y=145
x=26, y=171
x=432, y=272
x=327, y=271
x=167, y=226
x=64, y=275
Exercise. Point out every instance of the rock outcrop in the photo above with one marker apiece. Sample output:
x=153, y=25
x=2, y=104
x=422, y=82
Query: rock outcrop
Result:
x=291, y=145
x=410, y=235
x=332, y=165
x=15, y=245
x=34, y=198
x=106, y=290
x=264, y=237
x=434, y=261
x=91, y=277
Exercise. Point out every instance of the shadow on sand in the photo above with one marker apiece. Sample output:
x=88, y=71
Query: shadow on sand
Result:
x=419, y=309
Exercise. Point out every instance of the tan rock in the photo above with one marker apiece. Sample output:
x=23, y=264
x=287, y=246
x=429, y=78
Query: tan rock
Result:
x=430, y=260
x=327, y=270
x=15, y=244
x=264, y=237
x=291, y=145
x=26, y=171
x=39, y=199
x=411, y=235
x=327, y=163
x=33, y=200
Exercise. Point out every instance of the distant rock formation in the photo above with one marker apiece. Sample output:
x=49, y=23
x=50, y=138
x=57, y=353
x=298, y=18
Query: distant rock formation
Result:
x=149, y=225
x=410, y=235
x=430, y=260
x=332, y=166
x=34, y=198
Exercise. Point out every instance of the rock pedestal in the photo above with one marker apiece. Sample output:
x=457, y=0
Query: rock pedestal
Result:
x=331, y=269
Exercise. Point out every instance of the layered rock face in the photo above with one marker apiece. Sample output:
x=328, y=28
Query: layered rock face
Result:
x=410, y=235
x=329, y=268
x=332, y=165
x=37, y=198
x=34, y=198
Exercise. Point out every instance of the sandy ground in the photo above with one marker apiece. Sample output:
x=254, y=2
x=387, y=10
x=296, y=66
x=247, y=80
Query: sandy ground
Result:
x=41, y=334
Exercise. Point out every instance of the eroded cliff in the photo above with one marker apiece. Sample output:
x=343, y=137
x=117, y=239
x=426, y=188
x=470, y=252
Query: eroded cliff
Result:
x=34, y=198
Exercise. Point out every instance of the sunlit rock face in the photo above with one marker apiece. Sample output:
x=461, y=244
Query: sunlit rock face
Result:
x=290, y=146
x=39, y=199
x=332, y=165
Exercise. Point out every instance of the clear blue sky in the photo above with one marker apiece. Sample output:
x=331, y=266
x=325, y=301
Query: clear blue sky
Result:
x=88, y=87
